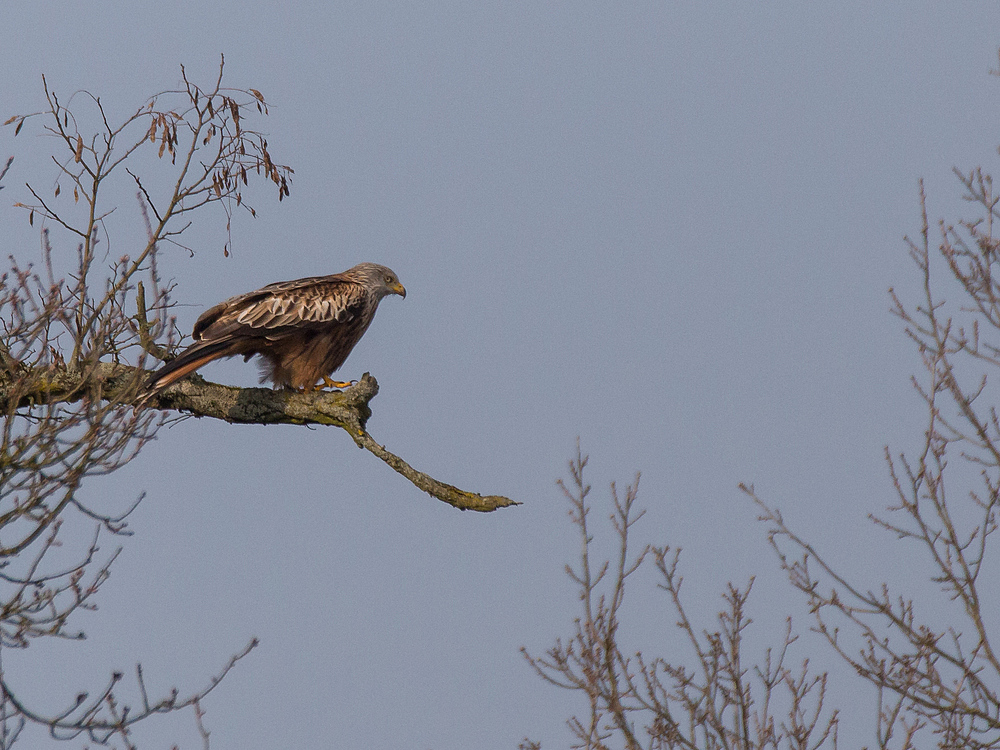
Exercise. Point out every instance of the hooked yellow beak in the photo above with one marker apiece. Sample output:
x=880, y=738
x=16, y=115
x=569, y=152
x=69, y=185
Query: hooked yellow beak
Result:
x=398, y=288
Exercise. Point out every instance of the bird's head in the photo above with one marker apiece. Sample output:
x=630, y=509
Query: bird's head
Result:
x=380, y=280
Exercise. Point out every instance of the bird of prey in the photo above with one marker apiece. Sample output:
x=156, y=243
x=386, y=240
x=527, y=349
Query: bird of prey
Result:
x=303, y=329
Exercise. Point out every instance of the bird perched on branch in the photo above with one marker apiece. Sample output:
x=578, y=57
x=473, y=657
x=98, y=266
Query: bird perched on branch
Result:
x=303, y=329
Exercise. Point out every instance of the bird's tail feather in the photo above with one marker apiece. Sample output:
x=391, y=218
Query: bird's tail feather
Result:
x=193, y=358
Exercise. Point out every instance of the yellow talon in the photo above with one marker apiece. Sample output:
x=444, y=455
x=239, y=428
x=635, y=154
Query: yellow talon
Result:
x=328, y=383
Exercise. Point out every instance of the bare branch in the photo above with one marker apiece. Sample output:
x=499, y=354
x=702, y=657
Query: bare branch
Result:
x=634, y=701
x=941, y=682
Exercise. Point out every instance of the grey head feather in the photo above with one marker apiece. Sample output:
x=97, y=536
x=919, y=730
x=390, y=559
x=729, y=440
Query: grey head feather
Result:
x=379, y=280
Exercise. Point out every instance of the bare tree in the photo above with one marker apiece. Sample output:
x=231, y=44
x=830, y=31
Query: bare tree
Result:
x=712, y=700
x=934, y=683
x=76, y=333
x=933, y=666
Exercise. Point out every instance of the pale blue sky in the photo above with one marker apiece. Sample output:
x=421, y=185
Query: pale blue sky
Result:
x=667, y=228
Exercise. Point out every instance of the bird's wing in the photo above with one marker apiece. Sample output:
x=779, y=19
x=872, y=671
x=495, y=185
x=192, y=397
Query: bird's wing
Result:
x=283, y=307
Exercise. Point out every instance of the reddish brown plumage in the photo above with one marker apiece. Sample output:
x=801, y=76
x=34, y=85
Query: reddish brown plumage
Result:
x=303, y=329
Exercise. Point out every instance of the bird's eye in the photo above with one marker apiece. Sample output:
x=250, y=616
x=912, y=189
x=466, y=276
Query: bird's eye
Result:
x=388, y=279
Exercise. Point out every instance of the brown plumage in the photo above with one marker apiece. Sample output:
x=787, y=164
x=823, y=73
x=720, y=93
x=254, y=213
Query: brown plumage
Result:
x=303, y=329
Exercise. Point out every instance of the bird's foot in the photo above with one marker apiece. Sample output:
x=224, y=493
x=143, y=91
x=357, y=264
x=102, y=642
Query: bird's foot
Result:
x=328, y=383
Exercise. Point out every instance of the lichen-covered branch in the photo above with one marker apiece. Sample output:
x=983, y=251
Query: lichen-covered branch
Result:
x=445, y=492
x=348, y=409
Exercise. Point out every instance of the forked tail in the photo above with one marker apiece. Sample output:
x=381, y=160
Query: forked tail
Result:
x=195, y=356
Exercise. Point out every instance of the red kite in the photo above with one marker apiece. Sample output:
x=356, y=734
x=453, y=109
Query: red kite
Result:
x=303, y=330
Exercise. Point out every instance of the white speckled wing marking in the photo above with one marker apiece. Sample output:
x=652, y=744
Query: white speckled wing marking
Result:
x=285, y=305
